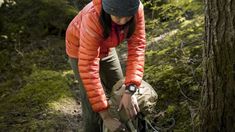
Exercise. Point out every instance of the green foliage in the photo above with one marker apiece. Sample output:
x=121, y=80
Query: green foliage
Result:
x=24, y=108
x=50, y=48
x=167, y=14
x=12, y=66
x=31, y=81
x=17, y=62
x=35, y=18
x=173, y=60
x=31, y=64
x=43, y=86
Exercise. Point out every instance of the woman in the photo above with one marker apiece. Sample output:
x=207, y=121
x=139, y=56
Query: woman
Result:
x=91, y=39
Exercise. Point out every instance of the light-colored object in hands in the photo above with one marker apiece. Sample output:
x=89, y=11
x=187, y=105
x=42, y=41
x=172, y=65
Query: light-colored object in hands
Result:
x=146, y=97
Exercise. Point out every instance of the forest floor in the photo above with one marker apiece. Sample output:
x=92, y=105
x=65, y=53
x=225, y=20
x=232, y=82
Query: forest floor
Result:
x=38, y=91
x=46, y=97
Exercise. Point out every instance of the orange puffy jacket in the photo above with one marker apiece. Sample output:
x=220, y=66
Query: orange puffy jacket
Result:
x=84, y=40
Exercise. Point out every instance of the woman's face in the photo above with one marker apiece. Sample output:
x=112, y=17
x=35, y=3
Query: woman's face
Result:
x=120, y=20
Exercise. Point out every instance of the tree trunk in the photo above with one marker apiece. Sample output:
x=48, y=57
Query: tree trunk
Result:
x=218, y=93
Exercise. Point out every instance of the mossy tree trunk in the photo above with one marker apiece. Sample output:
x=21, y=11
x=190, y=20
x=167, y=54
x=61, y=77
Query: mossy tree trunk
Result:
x=218, y=93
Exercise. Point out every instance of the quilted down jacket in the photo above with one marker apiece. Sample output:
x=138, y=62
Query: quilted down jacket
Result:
x=84, y=40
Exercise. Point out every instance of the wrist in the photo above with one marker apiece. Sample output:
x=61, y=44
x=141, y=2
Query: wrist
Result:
x=131, y=89
x=127, y=92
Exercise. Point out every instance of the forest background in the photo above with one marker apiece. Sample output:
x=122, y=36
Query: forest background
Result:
x=38, y=91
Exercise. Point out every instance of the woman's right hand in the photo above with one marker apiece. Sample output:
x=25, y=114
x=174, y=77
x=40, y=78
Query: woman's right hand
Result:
x=114, y=125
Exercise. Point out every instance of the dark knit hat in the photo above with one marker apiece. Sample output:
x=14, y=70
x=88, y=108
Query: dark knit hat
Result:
x=121, y=7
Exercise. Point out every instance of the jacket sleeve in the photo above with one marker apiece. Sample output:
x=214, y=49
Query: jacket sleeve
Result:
x=136, y=51
x=88, y=63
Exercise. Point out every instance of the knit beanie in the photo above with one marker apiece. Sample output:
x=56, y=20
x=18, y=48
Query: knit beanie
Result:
x=121, y=7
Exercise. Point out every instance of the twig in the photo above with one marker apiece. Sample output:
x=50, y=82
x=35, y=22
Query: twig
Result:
x=18, y=51
x=181, y=91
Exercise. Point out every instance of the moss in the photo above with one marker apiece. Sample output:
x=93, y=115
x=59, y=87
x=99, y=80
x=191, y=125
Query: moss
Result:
x=48, y=56
x=171, y=109
x=173, y=68
x=26, y=108
x=44, y=86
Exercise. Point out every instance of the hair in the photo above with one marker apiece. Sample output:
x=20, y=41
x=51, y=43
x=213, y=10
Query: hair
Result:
x=106, y=23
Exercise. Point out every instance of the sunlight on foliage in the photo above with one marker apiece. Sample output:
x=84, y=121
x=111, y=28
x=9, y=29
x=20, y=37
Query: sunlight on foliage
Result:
x=64, y=105
x=173, y=61
x=36, y=79
x=43, y=88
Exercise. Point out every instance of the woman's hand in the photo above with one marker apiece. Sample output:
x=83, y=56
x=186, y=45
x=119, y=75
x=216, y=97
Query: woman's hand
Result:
x=114, y=125
x=130, y=104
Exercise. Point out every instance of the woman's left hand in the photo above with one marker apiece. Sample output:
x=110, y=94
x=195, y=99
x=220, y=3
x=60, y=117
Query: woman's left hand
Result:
x=130, y=104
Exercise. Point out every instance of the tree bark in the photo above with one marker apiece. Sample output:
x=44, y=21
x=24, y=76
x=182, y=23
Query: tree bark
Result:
x=218, y=92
